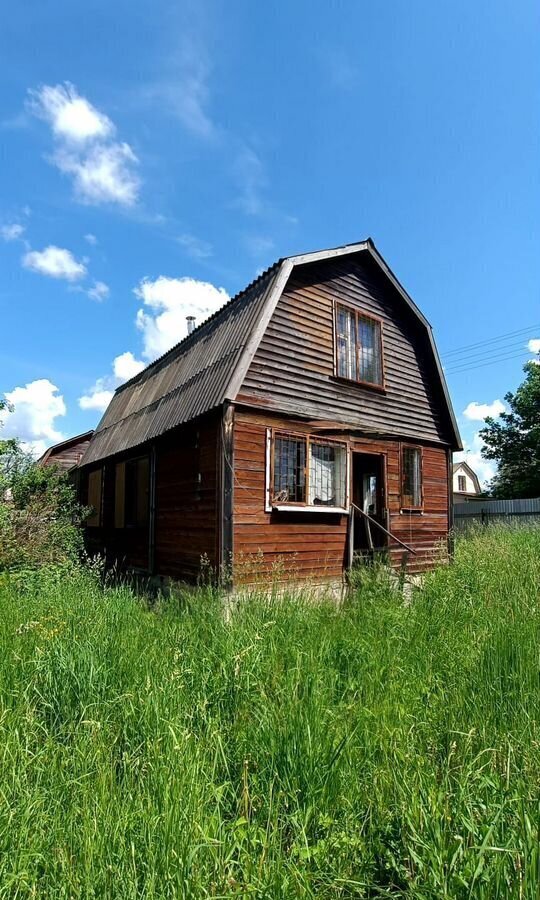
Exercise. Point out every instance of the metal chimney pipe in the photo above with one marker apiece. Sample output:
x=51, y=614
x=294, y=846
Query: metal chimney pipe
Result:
x=190, y=323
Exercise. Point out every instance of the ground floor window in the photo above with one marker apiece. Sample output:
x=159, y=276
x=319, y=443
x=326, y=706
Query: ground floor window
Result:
x=308, y=472
x=131, y=493
x=94, y=497
x=411, y=477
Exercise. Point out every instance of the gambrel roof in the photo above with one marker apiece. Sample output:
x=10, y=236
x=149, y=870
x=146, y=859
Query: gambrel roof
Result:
x=208, y=367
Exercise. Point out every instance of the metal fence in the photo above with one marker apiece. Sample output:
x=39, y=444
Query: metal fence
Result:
x=489, y=512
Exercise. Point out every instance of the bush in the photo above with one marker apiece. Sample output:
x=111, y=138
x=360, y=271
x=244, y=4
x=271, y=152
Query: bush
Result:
x=40, y=519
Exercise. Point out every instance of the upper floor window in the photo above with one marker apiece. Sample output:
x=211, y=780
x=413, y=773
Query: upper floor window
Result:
x=359, y=346
x=462, y=483
x=308, y=472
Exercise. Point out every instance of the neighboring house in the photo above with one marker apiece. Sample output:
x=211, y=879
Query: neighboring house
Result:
x=465, y=483
x=315, y=390
x=67, y=454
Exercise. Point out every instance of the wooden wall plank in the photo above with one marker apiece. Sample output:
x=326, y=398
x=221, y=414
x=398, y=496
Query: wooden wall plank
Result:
x=293, y=368
x=313, y=545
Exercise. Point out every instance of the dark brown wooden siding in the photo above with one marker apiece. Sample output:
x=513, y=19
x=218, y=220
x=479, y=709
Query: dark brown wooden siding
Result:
x=293, y=369
x=186, y=505
x=314, y=545
x=187, y=499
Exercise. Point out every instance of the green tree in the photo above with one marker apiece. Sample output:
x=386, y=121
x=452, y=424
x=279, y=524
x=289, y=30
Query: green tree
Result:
x=40, y=517
x=513, y=441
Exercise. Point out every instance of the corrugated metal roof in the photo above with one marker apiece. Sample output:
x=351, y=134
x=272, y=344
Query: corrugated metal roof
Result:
x=209, y=365
x=190, y=379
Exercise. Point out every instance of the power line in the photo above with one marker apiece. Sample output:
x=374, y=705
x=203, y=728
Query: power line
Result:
x=491, y=362
x=482, y=353
x=493, y=340
x=497, y=358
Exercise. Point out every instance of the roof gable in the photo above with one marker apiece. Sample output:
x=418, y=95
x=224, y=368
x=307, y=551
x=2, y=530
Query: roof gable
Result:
x=209, y=366
x=470, y=471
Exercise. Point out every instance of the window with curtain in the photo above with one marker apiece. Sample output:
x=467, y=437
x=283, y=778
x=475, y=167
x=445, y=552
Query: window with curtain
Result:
x=327, y=465
x=308, y=472
x=411, y=478
x=359, y=346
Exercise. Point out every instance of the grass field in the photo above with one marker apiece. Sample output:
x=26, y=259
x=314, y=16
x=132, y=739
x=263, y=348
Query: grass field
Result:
x=378, y=750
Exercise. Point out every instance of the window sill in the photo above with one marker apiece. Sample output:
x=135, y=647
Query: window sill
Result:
x=336, y=510
x=367, y=385
x=411, y=512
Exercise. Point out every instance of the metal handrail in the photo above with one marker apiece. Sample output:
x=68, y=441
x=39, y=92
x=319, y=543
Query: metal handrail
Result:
x=378, y=524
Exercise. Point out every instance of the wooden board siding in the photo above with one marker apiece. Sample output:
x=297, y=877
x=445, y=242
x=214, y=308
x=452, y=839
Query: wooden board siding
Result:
x=187, y=499
x=66, y=455
x=186, y=504
x=293, y=368
x=314, y=545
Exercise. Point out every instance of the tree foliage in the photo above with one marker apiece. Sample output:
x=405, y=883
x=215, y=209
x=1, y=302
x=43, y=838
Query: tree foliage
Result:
x=40, y=518
x=513, y=440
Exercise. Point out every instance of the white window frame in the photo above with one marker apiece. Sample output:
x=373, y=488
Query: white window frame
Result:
x=304, y=507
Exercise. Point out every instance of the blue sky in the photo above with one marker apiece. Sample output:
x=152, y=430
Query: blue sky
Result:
x=155, y=156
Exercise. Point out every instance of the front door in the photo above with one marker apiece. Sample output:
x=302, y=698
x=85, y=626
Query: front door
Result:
x=368, y=494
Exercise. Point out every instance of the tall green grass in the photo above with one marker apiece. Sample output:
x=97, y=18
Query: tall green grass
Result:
x=380, y=749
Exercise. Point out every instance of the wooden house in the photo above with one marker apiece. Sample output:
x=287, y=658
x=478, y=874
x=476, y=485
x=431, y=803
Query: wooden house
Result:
x=304, y=426
x=66, y=455
x=465, y=484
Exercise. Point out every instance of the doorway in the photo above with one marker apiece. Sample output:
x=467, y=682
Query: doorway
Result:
x=368, y=495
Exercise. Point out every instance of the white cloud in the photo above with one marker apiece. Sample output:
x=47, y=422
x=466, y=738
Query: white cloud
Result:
x=91, y=239
x=101, y=393
x=162, y=322
x=71, y=117
x=534, y=345
x=105, y=174
x=100, y=291
x=170, y=300
x=185, y=91
x=195, y=247
x=12, y=232
x=103, y=169
x=56, y=262
x=477, y=412
x=251, y=179
x=98, y=398
x=32, y=420
x=126, y=366
x=190, y=99
x=259, y=245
